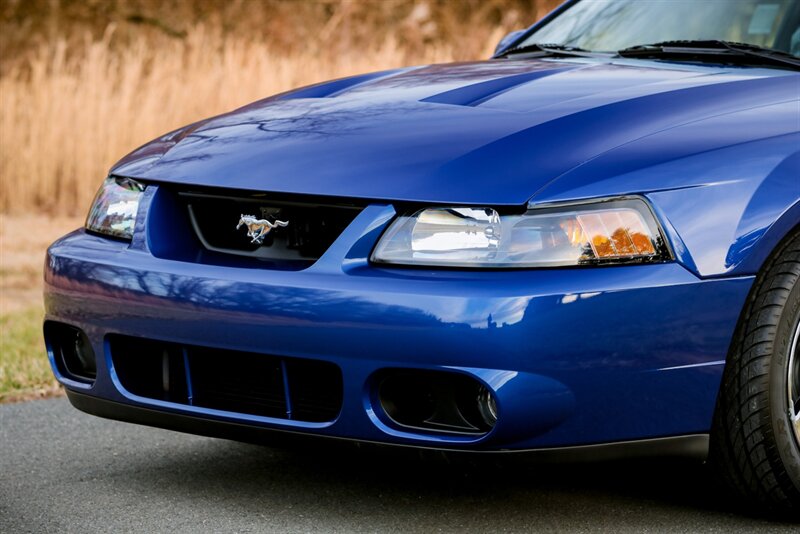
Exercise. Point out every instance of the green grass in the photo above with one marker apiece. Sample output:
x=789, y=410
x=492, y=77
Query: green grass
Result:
x=24, y=367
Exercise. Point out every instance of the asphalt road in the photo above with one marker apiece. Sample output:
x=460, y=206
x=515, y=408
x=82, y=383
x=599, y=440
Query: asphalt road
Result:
x=64, y=471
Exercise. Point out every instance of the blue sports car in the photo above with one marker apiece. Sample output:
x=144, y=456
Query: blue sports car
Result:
x=587, y=245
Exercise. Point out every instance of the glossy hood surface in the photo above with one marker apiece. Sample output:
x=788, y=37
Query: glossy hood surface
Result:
x=494, y=132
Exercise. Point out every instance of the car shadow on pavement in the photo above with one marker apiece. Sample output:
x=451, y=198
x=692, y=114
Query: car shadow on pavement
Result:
x=430, y=490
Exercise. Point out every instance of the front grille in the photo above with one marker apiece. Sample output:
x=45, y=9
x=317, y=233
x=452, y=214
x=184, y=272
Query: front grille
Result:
x=232, y=381
x=312, y=227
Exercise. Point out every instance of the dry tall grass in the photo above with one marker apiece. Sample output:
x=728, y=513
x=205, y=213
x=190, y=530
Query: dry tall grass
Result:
x=64, y=121
x=70, y=107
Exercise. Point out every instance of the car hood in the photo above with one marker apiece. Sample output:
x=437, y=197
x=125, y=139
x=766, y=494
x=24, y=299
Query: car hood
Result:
x=492, y=132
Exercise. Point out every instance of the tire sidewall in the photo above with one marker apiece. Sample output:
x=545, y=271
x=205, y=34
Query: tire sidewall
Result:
x=785, y=441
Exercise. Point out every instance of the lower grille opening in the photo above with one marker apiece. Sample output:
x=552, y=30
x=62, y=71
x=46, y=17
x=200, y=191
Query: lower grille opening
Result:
x=252, y=385
x=436, y=401
x=311, y=391
x=150, y=368
x=232, y=381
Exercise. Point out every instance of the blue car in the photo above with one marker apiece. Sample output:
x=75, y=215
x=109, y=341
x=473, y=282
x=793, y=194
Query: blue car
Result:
x=585, y=246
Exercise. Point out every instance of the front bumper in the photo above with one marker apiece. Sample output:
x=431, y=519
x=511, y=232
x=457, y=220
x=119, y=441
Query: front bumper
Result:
x=574, y=356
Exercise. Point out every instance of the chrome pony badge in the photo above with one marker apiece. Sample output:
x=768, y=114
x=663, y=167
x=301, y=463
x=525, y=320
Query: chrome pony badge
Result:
x=258, y=228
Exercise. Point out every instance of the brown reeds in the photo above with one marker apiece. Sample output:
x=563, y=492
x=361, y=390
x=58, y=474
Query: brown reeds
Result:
x=73, y=102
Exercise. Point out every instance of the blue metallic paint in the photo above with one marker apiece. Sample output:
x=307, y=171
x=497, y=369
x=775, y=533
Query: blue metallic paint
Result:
x=575, y=356
x=563, y=130
x=411, y=136
x=564, y=348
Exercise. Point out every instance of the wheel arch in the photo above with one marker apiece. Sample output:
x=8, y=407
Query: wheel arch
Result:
x=750, y=253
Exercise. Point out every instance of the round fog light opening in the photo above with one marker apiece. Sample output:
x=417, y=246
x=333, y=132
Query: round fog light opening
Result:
x=487, y=406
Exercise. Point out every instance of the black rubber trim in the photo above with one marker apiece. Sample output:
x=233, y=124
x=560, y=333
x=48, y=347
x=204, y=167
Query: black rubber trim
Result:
x=693, y=447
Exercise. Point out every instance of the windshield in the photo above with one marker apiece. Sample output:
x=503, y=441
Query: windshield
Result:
x=611, y=25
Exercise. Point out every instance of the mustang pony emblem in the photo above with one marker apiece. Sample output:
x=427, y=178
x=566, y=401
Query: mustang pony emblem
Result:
x=258, y=228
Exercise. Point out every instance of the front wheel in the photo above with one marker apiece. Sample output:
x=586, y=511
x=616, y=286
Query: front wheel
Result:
x=755, y=441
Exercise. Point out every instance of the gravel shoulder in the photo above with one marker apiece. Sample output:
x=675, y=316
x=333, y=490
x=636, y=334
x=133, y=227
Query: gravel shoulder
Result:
x=62, y=470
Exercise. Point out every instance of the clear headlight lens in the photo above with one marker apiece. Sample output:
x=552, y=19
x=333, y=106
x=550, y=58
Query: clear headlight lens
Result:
x=114, y=208
x=613, y=231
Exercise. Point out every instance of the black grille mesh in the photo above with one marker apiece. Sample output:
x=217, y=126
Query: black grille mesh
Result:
x=311, y=228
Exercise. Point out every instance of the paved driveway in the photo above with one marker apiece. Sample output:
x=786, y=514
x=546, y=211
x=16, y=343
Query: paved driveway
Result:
x=61, y=470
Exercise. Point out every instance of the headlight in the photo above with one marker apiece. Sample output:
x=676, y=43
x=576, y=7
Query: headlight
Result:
x=611, y=231
x=114, y=208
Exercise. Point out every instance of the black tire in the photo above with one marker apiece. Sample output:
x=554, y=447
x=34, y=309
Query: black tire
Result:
x=754, y=447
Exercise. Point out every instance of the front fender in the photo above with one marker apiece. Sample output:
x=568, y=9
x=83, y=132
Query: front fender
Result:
x=726, y=188
x=729, y=228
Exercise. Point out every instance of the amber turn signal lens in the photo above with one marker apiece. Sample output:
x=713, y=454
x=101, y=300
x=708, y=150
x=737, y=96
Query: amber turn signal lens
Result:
x=619, y=233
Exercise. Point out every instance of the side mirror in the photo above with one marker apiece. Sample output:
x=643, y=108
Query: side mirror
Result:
x=508, y=39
